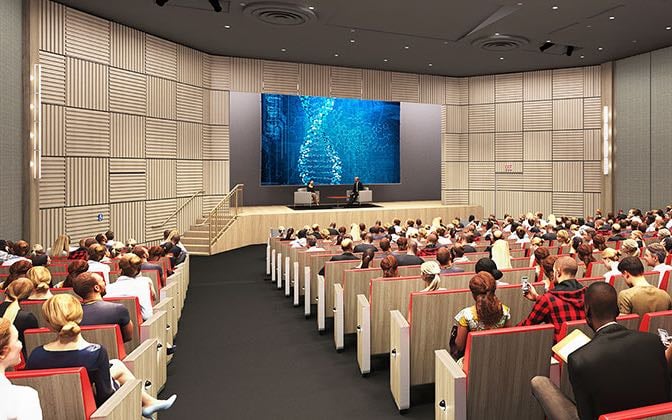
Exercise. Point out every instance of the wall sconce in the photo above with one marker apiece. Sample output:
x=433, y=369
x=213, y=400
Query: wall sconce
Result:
x=36, y=122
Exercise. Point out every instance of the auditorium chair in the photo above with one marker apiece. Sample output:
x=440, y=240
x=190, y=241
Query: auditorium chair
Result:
x=108, y=336
x=365, y=195
x=654, y=320
x=66, y=393
x=658, y=412
x=494, y=381
x=653, y=277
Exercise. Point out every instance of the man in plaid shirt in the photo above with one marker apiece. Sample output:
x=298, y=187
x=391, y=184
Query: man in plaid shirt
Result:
x=562, y=303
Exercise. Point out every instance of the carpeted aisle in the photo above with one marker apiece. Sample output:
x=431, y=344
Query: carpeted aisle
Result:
x=244, y=352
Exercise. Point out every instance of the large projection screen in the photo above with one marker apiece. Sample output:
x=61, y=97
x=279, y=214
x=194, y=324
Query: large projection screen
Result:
x=328, y=140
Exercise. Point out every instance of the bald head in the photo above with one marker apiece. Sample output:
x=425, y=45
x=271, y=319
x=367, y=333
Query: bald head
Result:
x=566, y=268
x=600, y=304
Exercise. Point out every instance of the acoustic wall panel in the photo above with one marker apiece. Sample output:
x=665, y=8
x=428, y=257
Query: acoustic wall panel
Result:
x=592, y=177
x=482, y=176
x=127, y=48
x=158, y=218
x=591, y=202
x=128, y=166
x=86, y=221
x=161, y=138
x=314, y=80
x=455, y=147
x=161, y=175
x=568, y=83
x=189, y=66
x=567, y=145
x=592, y=113
x=53, y=78
x=209, y=203
x=486, y=199
x=455, y=175
x=86, y=181
x=87, y=132
x=538, y=145
x=246, y=75
x=160, y=57
x=568, y=204
x=432, y=89
x=216, y=177
x=346, y=82
x=509, y=146
x=457, y=91
x=538, y=176
x=568, y=176
x=454, y=119
x=538, y=85
x=215, y=142
x=86, y=84
x=127, y=136
x=87, y=36
x=280, y=77
x=191, y=211
x=661, y=126
x=52, y=184
x=481, y=147
x=53, y=130
x=52, y=224
x=127, y=220
x=537, y=115
x=405, y=87
x=568, y=114
x=189, y=140
x=509, y=116
x=189, y=177
x=130, y=185
x=455, y=197
x=481, y=90
x=481, y=118
x=219, y=107
x=592, y=144
x=128, y=92
x=509, y=182
x=510, y=202
x=509, y=87
x=217, y=71
x=376, y=85
x=162, y=98
x=592, y=81
x=51, y=27
x=189, y=103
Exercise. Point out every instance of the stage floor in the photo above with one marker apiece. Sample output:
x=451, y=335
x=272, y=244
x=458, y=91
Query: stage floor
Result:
x=254, y=222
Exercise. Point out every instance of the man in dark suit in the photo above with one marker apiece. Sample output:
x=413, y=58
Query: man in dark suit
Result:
x=368, y=243
x=357, y=186
x=346, y=246
x=411, y=256
x=620, y=368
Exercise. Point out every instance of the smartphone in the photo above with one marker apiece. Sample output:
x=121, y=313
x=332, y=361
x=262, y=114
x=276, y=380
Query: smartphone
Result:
x=525, y=284
x=664, y=337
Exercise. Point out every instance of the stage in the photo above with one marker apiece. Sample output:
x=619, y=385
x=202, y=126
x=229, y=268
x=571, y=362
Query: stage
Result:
x=253, y=223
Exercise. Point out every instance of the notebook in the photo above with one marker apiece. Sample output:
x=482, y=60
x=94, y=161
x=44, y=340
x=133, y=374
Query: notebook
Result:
x=574, y=340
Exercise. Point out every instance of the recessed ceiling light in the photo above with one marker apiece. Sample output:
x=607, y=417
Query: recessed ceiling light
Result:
x=352, y=41
x=406, y=47
x=668, y=28
x=520, y=3
x=548, y=40
x=430, y=64
x=501, y=58
x=227, y=26
x=600, y=48
x=311, y=7
x=283, y=49
x=243, y=4
x=385, y=60
x=634, y=41
x=352, y=30
x=555, y=7
x=583, y=56
x=336, y=55
x=445, y=42
x=612, y=17
x=589, y=26
x=496, y=33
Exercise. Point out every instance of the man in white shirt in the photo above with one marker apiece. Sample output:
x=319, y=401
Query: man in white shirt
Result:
x=131, y=284
x=96, y=255
x=655, y=256
x=312, y=245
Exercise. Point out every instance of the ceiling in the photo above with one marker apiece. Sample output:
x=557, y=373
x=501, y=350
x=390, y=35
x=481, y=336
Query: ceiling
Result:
x=418, y=36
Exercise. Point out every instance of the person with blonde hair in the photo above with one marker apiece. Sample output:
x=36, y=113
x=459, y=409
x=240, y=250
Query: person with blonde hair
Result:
x=131, y=283
x=355, y=232
x=501, y=254
x=25, y=403
x=430, y=271
x=610, y=258
x=64, y=313
x=41, y=278
x=629, y=248
x=10, y=309
x=562, y=237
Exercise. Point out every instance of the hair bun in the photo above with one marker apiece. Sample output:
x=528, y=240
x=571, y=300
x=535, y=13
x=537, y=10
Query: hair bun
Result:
x=70, y=329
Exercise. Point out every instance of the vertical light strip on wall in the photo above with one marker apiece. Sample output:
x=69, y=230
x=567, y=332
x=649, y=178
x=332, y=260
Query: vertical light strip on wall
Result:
x=36, y=128
x=605, y=141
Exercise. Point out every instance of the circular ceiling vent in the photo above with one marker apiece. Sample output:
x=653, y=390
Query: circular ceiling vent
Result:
x=281, y=14
x=500, y=43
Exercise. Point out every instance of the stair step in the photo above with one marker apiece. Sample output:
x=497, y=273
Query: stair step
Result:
x=198, y=249
x=199, y=228
x=196, y=234
x=188, y=241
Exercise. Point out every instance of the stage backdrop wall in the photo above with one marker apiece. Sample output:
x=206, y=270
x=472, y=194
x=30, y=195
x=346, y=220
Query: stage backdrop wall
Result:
x=420, y=177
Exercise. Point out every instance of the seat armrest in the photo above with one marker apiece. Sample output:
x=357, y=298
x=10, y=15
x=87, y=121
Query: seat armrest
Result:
x=125, y=403
x=450, y=387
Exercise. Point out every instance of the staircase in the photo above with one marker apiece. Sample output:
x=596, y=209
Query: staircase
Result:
x=197, y=238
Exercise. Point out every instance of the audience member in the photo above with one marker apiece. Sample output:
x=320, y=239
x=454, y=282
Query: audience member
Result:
x=610, y=258
x=641, y=297
x=599, y=242
x=368, y=243
x=82, y=253
x=10, y=309
x=61, y=247
x=75, y=268
x=367, y=257
x=346, y=247
x=19, y=252
x=458, y=254
x=430, y=270
x=616, y=233
x=629, y=248
x=96, y=255
x=41, y=279
x=489, y=266
x=130, y=283
x=390, y=266
x=311, y=242
x=384, y=245
x=445, y=259
x=18, y=269
x=110, y=238
x=501, y=254
x=655, y=256
x=143, y=253
x=584, y=253
x=411, y=256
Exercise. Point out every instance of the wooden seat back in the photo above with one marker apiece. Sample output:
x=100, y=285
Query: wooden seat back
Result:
x=513, y=275
x=654, y=320
x=619, y=283
x=108, y=336
x=132, y=305
x=658, y=412
x=596, y=268
x=475, y=256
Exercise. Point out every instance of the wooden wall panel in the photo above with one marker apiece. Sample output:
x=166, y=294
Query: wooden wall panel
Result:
x=82, y=222
x=216, y=142
x=127, y=48
x=219, y=107
x=568, y=114
x=592, y=113
x=160, y=57
x=189, y=140
x=567, y=144
x=161, y=175
x=189, y=213
x=455, y=197
x=218, y=71
x=509, y=87
x=482, y=176
x=509, y=116
x=128, y=180
x=127, y=136
x=377, y=85
x=87, y=36
x=509, y=146
x=52, y=224
x=481, y=118
x=189, y=177
x=455, y=147
x=86, y=181
x=537, y=85
x=189, y=103
x=161, y=98
x=591, y=202
x=485, y=199
x=592, y=85
x=538, y=202
x=538, y=145
x=567, y=176
x=538, y=115
x=568, y=83
x=568, y=204
x=456, y=91
x=246, y=75
x=216, y=177
x=161, y=138
x=189, y=66
x=53, y=78
x=481, y=90
x=314, y=80
x=280, y=77
x=454, y=119
x=156, y=212
x=592, y=145
x=127, y=220
x=432, y=89
x=52, y=27
x=86, y=84
x=87, y=132
x=346, y=82
x=592, y=177
x=509, y=182
x=509, y=167
x=455, y=175
x=209, y=202
x=52, y=184
x=53, y=130
x=482, y=147
x=538, y=176
x=510, y=202
x=128, y=92
x=405, y=87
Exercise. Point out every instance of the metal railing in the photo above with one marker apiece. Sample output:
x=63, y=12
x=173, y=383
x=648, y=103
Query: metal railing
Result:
x=224, y=214
x=177, y=212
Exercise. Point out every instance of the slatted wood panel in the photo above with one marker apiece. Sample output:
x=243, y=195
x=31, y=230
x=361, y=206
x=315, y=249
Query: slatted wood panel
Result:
x=52, y=184
x=510, y=202
x=87, y=36
x=189, y=177
x=161, y=138
x=189, y=140
x=314, y=80
x=376, y=85
x=456, y=175
x=568, y=114
x=509, y=116
x=161, y=175
x=568, y=176
x=219, y=107
x=592, y=81
x=52, y=224
x=539, y=201
x=246, y=75
x=566, y=144
x=432, y=89
x=190, y=212
x=82, y=222
x=592, y=177
x=189, y=66
x=538, y=115
x=216, y=177
x=280, y=77
x=482, y=176
x=455, y=197
x=51, y=26
x=53, y=130
x=210, y=201
x=537, y=85
x=481, y=90
x=481, y=118
x=568, y=83
x=86, y=84
x=592, y=144
x=346, y=82
x=509, y=146
x=538, y=145
x=128, y=92
x=127, y=180
x=509, y=87
x=160, y=57
x=455, y=119
x=591, y=202
x=216, y=142
x=485, y=199
x=455, y=147
x=482, y=147
x=592, y=113
x=218, y=71
x=156, y=212
x=570, y=204
x=127, y=220
x=405, y=87
x=127, y=48
x=189, y=103
x=127, y=136
x=53, y=78
x=456, y=91
x=509, y=182
x=86, y=181
x=87, y=132
x=538, y=176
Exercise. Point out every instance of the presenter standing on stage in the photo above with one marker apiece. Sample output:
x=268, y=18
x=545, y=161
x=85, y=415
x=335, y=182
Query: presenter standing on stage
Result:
x=313, y=192
x=356, y=188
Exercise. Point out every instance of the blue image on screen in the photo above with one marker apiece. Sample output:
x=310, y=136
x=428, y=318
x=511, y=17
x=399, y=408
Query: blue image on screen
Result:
x=328, y=140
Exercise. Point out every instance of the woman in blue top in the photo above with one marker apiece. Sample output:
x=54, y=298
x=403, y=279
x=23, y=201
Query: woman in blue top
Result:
x=64, y=313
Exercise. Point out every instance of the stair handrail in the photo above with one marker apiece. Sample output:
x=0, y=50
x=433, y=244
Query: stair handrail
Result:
x=176, y=212
x=228, y=207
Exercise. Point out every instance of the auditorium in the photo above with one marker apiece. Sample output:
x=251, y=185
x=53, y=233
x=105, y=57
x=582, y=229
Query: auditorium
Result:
x=312, y=209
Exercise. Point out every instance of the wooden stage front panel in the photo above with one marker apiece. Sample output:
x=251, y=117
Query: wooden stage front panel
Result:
x=253, y=223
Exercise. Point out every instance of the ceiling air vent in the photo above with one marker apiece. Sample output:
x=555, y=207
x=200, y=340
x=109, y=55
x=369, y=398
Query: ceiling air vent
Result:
x=281, y=14
x=500, y=43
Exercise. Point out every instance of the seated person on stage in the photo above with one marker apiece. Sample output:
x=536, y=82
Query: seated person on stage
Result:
x=91, y=288
x=641, y=297
x=367, y=244
x=411, y=256
x=357, y=186
x=430, y=270
x=346, y=246
x=64, y=313
x=445, y=260
x=390, y=266
x=313, y=192
x=130, y=283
